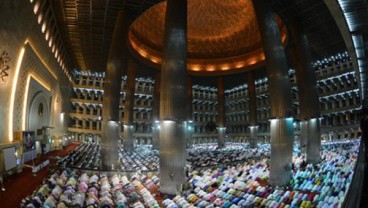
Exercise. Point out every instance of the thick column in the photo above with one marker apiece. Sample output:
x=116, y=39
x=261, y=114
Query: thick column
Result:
x=252, y=111
x=129, y=106
x=280, y=95
x=281, y=149
x=221, y=129
x=314, y=141
x=308, y=93
x=303, y=136
x=156, y=112
x=114, y=71
x=190, y=129
x=173, y=114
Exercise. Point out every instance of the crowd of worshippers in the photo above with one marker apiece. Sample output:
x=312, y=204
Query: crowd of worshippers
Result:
x=242, y=185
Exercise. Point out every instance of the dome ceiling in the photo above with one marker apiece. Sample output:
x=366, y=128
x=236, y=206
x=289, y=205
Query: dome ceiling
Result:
x=222, y=37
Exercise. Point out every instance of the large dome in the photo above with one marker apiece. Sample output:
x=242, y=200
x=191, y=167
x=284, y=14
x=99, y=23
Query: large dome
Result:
x=222, y=38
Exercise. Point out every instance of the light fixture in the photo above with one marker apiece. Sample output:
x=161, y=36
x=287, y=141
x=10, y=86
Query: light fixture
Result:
x=12, y=96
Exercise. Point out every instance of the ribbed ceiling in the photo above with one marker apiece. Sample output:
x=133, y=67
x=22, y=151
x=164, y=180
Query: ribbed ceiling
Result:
x=87, y=26
x=315, y=18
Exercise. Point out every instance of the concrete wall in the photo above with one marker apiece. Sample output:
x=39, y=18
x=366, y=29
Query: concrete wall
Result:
x=39, y=69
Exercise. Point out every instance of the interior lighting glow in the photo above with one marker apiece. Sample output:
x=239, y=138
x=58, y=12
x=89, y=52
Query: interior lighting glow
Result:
x=225, y=67
x=252, y=61
x=39, y=18
x=36, y=7
x=43, y=28
x=143, y=53
x=196, y=68
x=47, y=35
x=50, y=42
x=25, y=103
x=12, y=95
x=154, y=59
x=210, y=68
x=239, y=65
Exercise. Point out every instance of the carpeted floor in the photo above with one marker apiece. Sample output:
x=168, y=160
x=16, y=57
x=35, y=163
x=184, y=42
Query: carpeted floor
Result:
x=18, y=186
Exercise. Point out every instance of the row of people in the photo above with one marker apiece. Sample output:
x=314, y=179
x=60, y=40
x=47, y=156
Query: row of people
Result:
x=75, y=189
x=242, y=185
x=322, y=185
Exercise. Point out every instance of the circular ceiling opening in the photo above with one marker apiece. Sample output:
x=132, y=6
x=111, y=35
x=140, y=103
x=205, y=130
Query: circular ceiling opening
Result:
x=222, y=36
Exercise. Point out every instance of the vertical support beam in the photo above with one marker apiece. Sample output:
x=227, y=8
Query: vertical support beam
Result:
x=190, y=129
x=280, y=95
x=281, y=151
x=308, y=94
x=303, y=136
x=221, y=129
x=252, y=110
x=173, y=95
x=314, y=141
x=303, y=139
x=114, y=71
x=156, y=112
x=129, y=106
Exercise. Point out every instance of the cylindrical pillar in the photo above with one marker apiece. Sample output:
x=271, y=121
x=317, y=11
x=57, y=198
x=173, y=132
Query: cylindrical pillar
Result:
x=129, y=106
x=156, y=112
x=190, y=129
x=281, y=151
x=308, y=93
x=114, y=72
x=314, y=141
x=173, y=94
x=303, y=136
x=253, y=136
x=221, y=129
x=280, y=95
x=252, y=105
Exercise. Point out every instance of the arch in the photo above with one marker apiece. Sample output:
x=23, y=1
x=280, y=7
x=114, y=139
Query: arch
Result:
x=35, y=118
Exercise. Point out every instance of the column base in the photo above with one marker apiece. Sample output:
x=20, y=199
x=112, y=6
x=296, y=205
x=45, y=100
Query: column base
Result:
x=281, y=151
x=156, y=138
x=253, y=136
x=314, y=141
x=303, y=136
x=221, y=137
x=172, y=157
x=109, y=145
x=128, y=137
